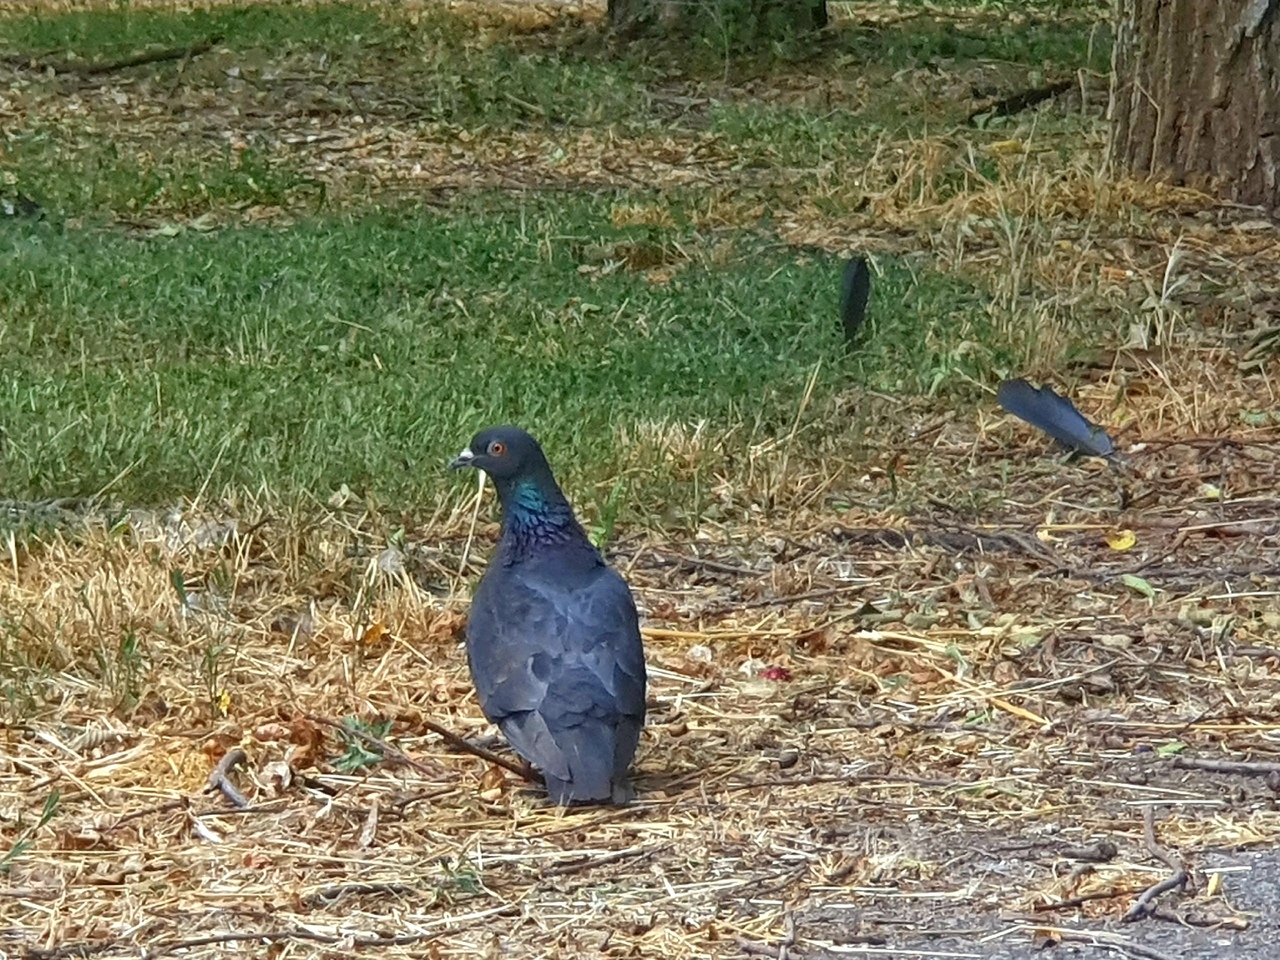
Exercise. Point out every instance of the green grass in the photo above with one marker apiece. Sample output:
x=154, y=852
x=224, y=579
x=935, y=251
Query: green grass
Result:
x=362, y=347
x=110, y=30
x=75, y=175
x=366, y=350
x=368, y=62
x=1038, y=41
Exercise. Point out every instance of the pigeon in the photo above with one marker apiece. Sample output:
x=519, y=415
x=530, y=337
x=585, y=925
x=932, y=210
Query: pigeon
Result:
x=854, y=291
x=1056, y=416
x=553, y=638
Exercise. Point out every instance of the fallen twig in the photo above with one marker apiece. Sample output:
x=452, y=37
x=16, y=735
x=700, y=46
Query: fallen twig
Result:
x=311, y=936
x=1084, y=898
x=1022, y=100
x=326, y=896
x=524, y=771
x=754, y=948
x=1102, y=851
x=800, y=597
x=1242, y=768
x=851, y=778
x=1100, y=938
x=448, y=735
x=271, y=806
x=1190, y=919
x=219, y=777
x=110, y=66
x=781, y=881
x=1145, y=904
x=33, y=893
x=165, y=807
x=586, y=863
x=703, y=563
x=387, y=749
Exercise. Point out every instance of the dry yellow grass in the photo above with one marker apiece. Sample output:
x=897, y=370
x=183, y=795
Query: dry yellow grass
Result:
x=854, y=713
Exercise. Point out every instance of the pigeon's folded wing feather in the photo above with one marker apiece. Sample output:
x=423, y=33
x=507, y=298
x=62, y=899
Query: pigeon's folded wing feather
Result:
x=561, y=671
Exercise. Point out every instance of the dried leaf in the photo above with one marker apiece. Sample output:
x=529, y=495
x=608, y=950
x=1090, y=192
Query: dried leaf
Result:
x=491, y=784
x=374, y=636
x=1121, y=539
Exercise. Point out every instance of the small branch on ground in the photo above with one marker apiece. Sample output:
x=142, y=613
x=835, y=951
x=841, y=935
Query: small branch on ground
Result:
x=1145, y=904
x=165, y=807
x=522, y=770
x=90, y=948
x=447, y=735
x=1259, y=652
x=1101, y=938
x=33, y=893
x=753, y=948
x=780, y=882
x=1021, y=101
x=1196, y=920
x=271, y=806
x=310, y=936
x=168, y=806
x=823, y=594
x=1102, y=851
x=327, y=896
x=587, y=863
x=702, y=563
x=388, y=751
x=1072, y=902
x=852, y=778
x=782, y=951
x=219, y=777
x=110, y=66
x=1240, y=768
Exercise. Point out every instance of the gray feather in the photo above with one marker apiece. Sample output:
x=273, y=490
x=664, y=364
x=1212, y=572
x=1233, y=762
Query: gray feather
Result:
x=1055, y=415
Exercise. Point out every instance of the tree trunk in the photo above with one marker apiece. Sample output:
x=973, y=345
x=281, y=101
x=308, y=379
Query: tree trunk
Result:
x=800, y=15
x=1195, y=95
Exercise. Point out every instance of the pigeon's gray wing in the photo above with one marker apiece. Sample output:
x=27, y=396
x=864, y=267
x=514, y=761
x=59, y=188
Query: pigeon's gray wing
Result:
x=559, y=666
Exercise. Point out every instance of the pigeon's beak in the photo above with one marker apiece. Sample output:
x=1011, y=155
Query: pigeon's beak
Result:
x=465, y=459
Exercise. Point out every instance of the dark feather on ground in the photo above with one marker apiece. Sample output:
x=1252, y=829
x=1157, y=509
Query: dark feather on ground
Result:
x=1055, y=415
x=854, y=293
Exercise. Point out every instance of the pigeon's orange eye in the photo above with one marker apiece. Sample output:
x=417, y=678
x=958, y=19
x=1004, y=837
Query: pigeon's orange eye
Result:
x=497, y=448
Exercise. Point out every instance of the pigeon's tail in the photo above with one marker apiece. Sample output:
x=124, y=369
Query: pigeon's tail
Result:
x=1055, y=415
x=597, y=758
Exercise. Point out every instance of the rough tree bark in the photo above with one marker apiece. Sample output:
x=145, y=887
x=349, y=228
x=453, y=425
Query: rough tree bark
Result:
x=1195, y=95
x=801, y=14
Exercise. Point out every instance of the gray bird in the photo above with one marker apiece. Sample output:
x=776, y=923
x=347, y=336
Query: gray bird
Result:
x=553, y=639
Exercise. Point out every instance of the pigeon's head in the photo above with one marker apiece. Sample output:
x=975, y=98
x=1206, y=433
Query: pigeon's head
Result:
x=534, y=510
x=505, y=453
